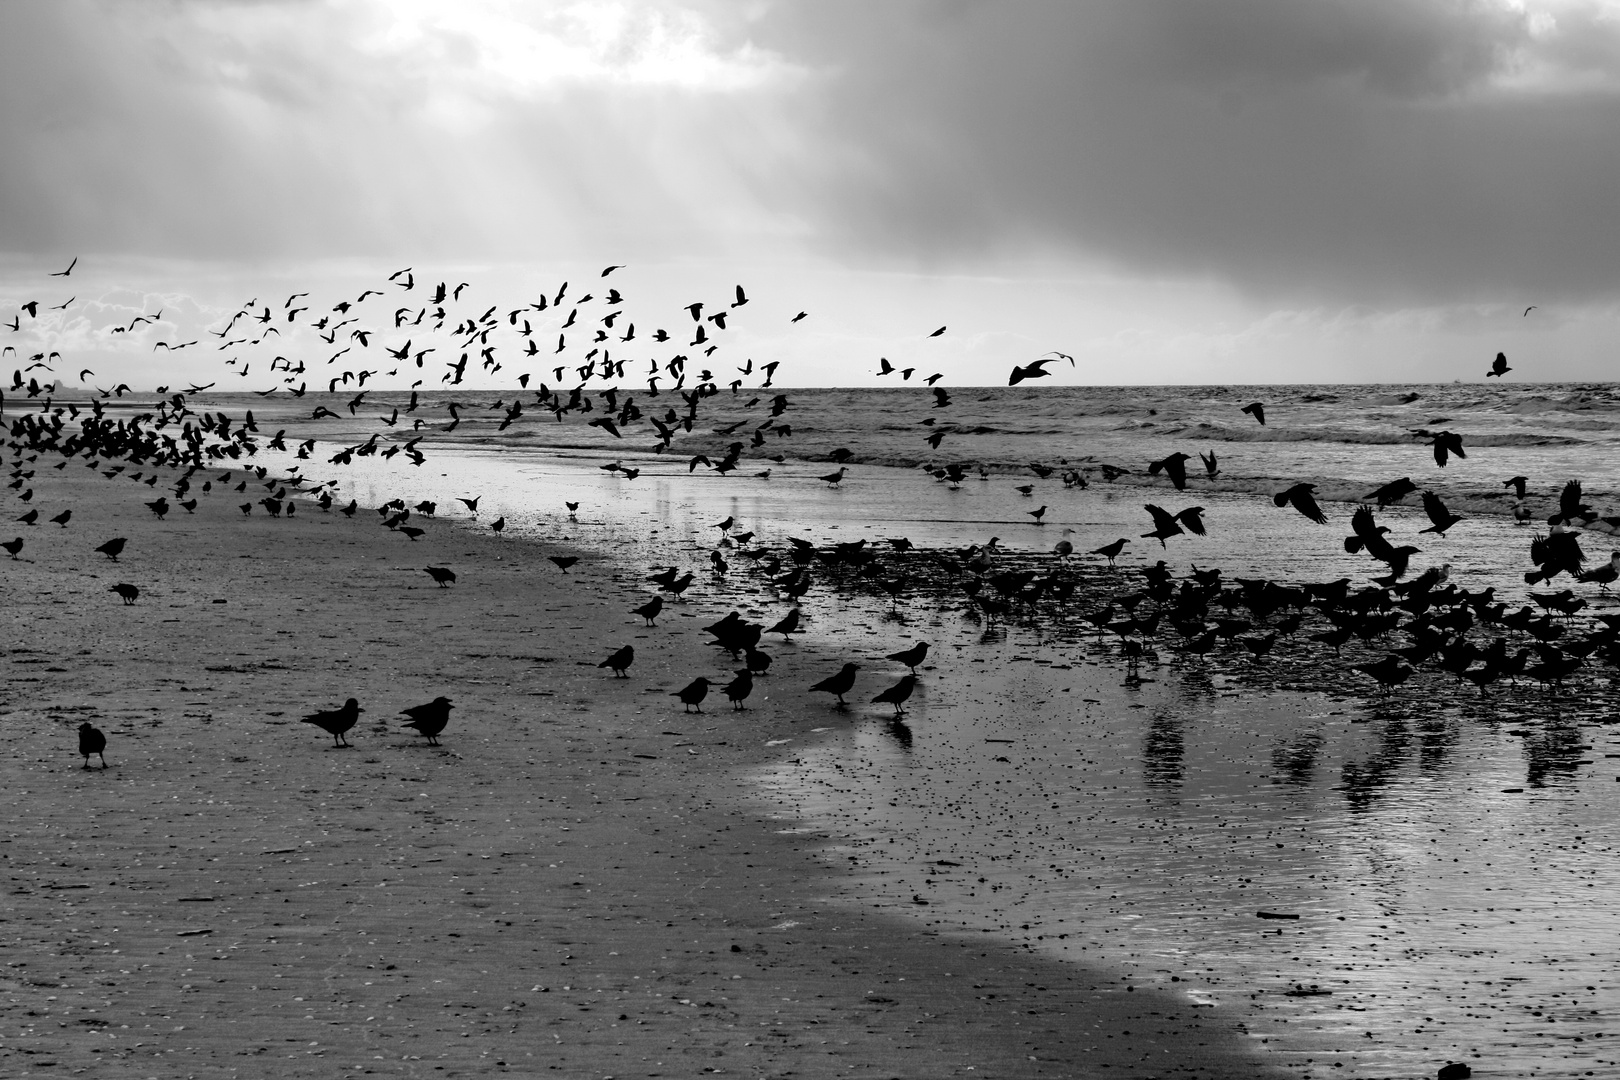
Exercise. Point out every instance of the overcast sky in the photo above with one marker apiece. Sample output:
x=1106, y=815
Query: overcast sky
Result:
x=1234, y=191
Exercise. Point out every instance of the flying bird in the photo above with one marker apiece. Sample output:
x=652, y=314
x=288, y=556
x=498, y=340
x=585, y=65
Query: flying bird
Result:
x=1445, y=443
x=1036, y=370
x=1517, y=484
x=65, y=273
x=1442, y=518
x=1499, y=366
x=1256, y=409
x=1302, y=498
x=1175, y=467
x=1393, y=492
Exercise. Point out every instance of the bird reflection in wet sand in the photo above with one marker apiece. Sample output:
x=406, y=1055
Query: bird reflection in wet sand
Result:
x=1164, y=751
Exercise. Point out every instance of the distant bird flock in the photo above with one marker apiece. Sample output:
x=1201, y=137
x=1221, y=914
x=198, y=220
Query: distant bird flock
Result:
x=575, y=353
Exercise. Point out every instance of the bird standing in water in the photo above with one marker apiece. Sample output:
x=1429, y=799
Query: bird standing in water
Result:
x=840, y=684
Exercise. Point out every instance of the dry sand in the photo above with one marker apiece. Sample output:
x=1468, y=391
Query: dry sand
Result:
x=571, y=884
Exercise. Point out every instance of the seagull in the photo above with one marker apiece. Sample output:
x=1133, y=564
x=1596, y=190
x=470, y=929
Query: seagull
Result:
x=336, y=721
x=1036, y=370
x=428, y=719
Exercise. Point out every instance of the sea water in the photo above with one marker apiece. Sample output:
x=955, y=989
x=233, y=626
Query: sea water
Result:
x=1453, y=874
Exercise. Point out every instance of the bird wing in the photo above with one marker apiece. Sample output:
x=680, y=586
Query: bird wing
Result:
x=1162, y=518
x=1569, y=500
x=1192, y=517
x=1436, y=510
x=1300, y=495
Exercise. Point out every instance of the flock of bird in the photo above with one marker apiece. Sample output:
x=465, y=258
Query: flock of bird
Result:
x=597, y=345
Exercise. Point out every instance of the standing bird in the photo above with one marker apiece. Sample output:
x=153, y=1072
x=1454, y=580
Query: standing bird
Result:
x=1442, y=518
x=739, y=688
x=1302, y=498
x=428, y=719
x=113, y=547
x=13, y=547
x=92, y=741
x=620, y=661
x=838, y=685
x=1256, y=409
x=159, y=506
x=897, y=694
x=29, y=518
x=498, y=524
x=127, y=591
x=910, y=657
x=564, y=561
x=650, y=610
x=1111, y=551
x=693, y=694
x=1037, y=514
x=834, y=479
x=1500, y=367
x=786, y=625
x=442, y=574
x=336, y=721
x=63, y=518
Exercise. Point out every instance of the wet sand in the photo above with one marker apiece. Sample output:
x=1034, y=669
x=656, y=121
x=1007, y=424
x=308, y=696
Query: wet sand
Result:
x=575, y=882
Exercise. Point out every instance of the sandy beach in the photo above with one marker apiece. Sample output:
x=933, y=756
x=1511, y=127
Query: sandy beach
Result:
x=574, y=882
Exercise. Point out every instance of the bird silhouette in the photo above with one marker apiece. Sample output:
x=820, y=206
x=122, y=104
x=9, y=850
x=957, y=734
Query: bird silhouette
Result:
x=442, y=574
x=650, y=610
x=429, y=719
x=92, y=741
x=1499, y=366
x=1037, y=514
x=910, y=657
x=29, y=518
x=159, y=506
x=840, y=684
x=786, y=625
x=1517, y=483
x=564, y=561
x=1175, y=467
x=897, y=694
x=1444, y=443
x=128, y=592
x=1441, y=518
x=113, y=548
x=337, y=721
x=1394, y=492
x=1256, y=409
x=738, y=689
x=63, y=518
x=834, y=479
x=1570, y=507
x=13, y=547
x=1111, y=551
x=1166, y=524
x=620, y=661
x=1211, y=466
x=1302, y=498
x=1036, y=370
x=693, y=693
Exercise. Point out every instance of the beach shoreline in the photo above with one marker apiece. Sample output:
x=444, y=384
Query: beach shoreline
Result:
x=561, y=887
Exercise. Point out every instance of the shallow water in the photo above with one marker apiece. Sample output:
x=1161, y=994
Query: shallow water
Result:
x=1144, y=825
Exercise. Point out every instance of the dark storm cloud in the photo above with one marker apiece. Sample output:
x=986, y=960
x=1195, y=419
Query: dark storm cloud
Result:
x=1335, y=150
